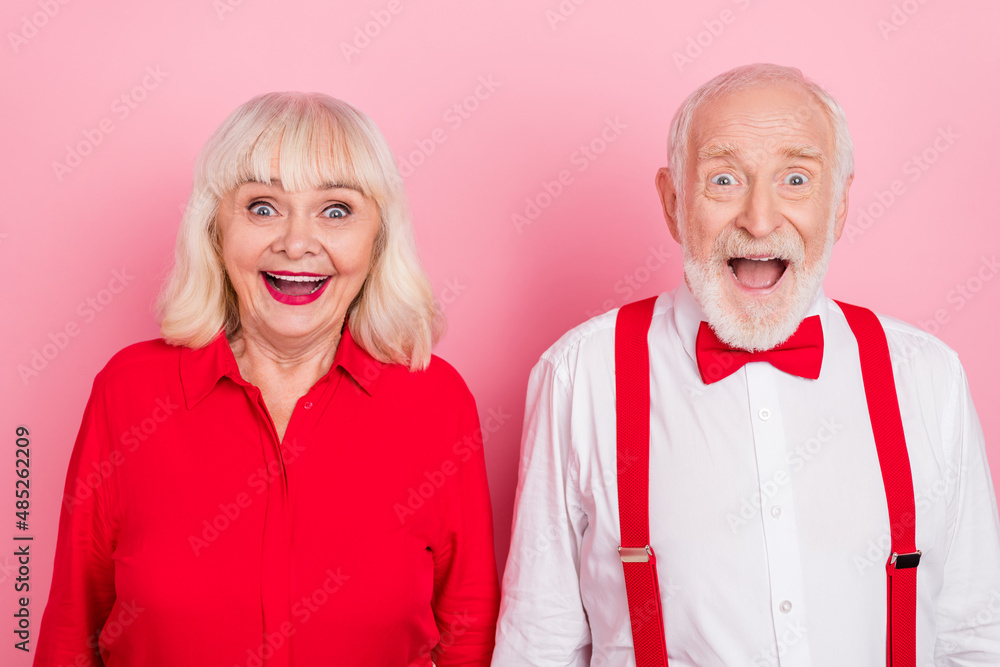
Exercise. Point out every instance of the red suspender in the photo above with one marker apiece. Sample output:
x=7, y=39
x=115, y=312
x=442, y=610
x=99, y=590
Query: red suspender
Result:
x=883, y=409
x=638, y=560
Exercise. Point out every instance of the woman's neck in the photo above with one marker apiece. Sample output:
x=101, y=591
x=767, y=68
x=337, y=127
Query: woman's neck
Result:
x=262, y=362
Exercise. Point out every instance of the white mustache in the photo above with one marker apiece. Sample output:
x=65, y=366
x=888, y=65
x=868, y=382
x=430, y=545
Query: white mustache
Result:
x=735, y=242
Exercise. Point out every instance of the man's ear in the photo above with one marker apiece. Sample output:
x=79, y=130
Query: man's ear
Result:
x=668, y=199
x=841, y=218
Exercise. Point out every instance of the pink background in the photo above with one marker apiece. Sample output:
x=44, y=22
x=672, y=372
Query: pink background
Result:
x=916, y=78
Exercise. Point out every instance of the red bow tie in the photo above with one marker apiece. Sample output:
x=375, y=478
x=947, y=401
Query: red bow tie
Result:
x=801, y=355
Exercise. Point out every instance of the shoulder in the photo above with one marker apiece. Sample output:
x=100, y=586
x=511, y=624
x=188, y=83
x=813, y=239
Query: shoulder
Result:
x=140, y=360
x=591, y=344
x=910, y=344
x=921, y=356
x=440, y=381
x=917, y=352
x=442, y=376
x=132, y=376
x=902, y=334
x=433, y=407
x=594, y=338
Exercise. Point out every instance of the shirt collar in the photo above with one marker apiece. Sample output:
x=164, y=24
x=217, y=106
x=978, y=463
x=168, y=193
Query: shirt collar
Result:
x=688, y=315
x=363, y=367
x=201, y=368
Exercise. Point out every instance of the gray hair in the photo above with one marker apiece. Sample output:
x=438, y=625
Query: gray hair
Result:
x=748, y=76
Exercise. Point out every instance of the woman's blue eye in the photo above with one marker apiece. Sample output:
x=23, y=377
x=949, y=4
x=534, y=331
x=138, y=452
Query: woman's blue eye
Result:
x=796, y=179
x=262, y=209
x=724, y=179
x=338, y=211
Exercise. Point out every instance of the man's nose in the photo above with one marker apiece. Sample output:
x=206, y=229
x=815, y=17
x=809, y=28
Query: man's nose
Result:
x=760, y=215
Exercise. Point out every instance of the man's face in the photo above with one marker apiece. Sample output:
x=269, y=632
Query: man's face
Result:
x=759, y=211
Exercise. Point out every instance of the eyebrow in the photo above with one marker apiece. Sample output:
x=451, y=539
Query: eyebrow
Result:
x=805, y=151
x=728, y=149
x=719, y=150
x=322, y=186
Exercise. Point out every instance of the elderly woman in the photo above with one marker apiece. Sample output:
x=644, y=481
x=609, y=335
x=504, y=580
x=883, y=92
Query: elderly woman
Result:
x=288, y=477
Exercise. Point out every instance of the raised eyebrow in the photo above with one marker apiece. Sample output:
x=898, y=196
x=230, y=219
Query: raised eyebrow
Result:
x=806, y=152
x=322, y=186
x=713, y=151
x=339, y=186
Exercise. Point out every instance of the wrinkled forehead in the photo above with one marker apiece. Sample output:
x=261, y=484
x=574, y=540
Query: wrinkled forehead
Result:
x=768, y=119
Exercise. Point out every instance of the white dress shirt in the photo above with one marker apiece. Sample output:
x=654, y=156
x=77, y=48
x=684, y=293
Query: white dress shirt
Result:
x=767, y=510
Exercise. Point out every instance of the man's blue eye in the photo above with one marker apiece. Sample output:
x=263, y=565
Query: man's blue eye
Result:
x=723, y=179
x=796, y=179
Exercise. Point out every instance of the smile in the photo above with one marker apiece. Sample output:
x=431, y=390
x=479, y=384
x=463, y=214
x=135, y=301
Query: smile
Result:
x=294, y=289
x=758, y=273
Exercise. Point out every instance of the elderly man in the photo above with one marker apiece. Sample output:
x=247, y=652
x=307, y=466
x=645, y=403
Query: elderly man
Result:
x=744, y=471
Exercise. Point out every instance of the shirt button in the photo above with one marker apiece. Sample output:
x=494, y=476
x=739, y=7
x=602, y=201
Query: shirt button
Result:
x=776, y=511
x=785, y=607
x=307, y=405
x=764, y=414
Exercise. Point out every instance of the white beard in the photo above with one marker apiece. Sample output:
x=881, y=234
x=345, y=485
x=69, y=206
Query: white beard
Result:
x=756, y=325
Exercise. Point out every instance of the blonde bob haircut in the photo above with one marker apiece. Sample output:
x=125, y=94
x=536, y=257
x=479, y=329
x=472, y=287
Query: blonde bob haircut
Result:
x=318, y=140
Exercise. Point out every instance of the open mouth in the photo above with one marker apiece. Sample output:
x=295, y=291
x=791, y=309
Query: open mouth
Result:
x=295, y=285
x=758, y=273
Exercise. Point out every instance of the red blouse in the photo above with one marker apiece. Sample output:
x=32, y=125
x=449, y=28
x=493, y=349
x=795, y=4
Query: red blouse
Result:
x=190, y=536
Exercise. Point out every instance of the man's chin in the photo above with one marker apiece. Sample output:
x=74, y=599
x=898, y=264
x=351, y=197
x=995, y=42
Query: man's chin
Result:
x=754, y=321
x=751, y=319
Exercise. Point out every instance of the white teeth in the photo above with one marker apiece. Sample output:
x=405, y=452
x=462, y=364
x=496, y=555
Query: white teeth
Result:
x=760, y=259
x=298, y=279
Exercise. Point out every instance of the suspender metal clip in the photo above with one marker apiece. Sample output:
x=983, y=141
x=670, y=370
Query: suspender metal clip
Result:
x=905, y=561
x=635, y=554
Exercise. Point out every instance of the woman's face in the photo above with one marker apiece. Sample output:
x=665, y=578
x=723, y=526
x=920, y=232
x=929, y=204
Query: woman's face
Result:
x=296, y=260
